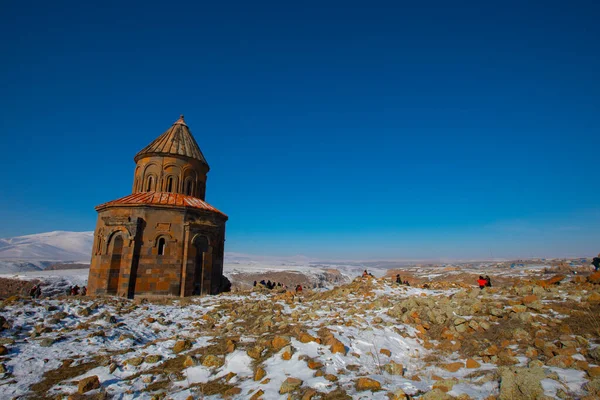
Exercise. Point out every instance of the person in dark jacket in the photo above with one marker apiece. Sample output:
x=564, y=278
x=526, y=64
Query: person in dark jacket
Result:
x=398, y=279
x=596, y=262
x=488, y=281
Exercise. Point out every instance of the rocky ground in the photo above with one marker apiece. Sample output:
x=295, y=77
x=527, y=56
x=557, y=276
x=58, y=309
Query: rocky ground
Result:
x=536, y=338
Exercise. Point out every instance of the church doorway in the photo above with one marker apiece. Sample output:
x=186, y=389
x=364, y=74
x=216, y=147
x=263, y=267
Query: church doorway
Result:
x=201, y=246
x=115, y=265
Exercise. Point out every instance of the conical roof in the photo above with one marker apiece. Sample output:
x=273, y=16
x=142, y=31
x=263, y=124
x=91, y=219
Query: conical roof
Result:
x=177, y=140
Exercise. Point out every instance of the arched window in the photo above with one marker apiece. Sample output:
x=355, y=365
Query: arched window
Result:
x=170, y=184
x=188, y=187
x=162, y=246
x=149, y=184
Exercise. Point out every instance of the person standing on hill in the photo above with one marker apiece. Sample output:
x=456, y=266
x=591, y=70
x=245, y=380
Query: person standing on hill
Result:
x=398, y=279
x=596, y=262
x=481, y=282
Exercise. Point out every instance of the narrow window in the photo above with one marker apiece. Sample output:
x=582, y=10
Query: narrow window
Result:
x=188, y=188
x=170, y=184
x=149, y=184
x=162, y=245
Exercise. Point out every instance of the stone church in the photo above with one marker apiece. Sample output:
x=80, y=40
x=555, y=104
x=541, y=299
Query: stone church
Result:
x=163, y=239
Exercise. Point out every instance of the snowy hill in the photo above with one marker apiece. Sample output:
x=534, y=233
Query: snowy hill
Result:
x=49, y=246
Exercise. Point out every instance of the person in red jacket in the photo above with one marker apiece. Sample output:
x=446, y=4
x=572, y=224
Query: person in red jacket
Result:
x=481, y=281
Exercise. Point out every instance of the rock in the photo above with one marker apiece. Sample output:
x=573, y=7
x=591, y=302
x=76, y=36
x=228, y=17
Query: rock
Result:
x=280, y=342
x=497, y=312
x=182, y=345
x=259, y=373
x=135, y=361
x=153, y=359
x=87, y=384
x=287, y=353
x=331, y=377
x=84, y=312
x=397, y=394
x=459, y=321
x=189, y=361
x=394, y=368
x=312, y=364
x=289, y=385
x=445, y=385
x=309, y=394
x=230, y=393
x=338, y=347
x=3, y=350
x=255, y=352
x=46, y=342
x=594, y=278
x=212, y=361
x=594, y=297
x=306, y=338
x=435, y=394
x=453, y=367
x=385, y=352
x=257, y=395
x=520, y=383
x=363, y=384
x=472, y=363
x=560, y=361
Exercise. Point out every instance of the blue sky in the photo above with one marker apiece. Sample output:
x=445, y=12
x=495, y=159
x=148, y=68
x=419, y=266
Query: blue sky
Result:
x=333, y=129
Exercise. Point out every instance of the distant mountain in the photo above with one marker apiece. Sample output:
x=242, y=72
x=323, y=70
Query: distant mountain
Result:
x=49, y=246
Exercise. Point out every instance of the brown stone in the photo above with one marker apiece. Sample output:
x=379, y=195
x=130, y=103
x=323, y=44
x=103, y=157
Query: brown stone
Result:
x=289, y=385
x=314, y=364
x=87, y=384
x=3, y=350
x=306, y=338
x=594, y=297
x=338, y=347
x=472, y=363
x=309, y=394
x=530, y=299
x=280, y=342
x=363, y=384
x=394, y=368
x=594, y=278
x=331, y=377
x=232, y=392
x=212, y=361
x=593, y=371
x=257, y=395
x=182, y=345
x=453, y=367
x=259, y=373
x=386, y=352
x=189, y=361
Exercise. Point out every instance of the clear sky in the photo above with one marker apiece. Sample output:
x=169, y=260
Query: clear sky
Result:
x=333, y=129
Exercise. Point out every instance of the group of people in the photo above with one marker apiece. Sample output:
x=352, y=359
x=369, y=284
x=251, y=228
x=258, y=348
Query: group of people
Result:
x=36, y=291
x=367, y=274
x=275, y=285
x=399, y=281
x=484, y=282
x=76, y=290
x=270, y=285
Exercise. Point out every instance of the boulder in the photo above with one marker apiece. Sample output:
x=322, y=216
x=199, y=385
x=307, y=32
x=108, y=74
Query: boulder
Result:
x=363, y=384
x=472, y=363
x=520, y=383
x=135, y=361
x=182, y=345
x=3, y=350
x=280, y=342
x=453, y=367
x=289, y=385
x=259, y=373
x=153, y=359
x=394, y=368
x=212, y=361
x=87, y=384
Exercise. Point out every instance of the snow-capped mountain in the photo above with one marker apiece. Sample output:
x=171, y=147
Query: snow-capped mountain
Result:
x=49, y=246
